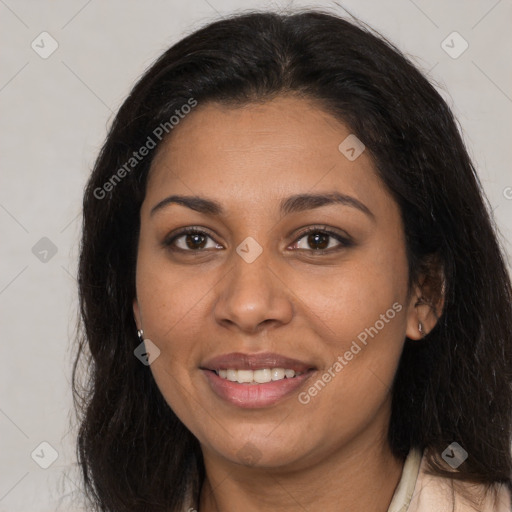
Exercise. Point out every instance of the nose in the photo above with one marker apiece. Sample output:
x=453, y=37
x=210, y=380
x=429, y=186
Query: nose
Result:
x=252, y=296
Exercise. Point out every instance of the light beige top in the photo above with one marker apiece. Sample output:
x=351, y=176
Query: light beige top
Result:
x=418, y=492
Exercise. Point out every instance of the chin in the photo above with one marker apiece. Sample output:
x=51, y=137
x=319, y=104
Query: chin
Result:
x=262, y=451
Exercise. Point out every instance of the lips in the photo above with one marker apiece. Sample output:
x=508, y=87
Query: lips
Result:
x=255, y=395
x=241, y=361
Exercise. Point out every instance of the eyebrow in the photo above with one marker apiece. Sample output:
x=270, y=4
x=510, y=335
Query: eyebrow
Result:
x=292, y=204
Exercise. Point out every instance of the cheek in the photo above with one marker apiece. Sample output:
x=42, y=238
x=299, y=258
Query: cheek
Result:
x=359, y=313
x=172, y=304
x=356, y=295
x=171, y=301
x=353, y=389
x=361, y=325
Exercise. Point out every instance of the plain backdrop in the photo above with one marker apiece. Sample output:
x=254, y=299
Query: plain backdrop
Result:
x=54, y=115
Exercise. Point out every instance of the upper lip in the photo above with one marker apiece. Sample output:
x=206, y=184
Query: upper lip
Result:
x=241, y=361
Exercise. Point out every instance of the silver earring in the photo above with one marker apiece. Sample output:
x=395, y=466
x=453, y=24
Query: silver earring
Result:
x=420, y=328
x=140, y=334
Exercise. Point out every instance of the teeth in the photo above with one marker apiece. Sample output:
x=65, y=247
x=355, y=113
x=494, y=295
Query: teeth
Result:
x=232, y=375
x=262, y=376
x=257, y=376
x=245, y=376
x=277, y=373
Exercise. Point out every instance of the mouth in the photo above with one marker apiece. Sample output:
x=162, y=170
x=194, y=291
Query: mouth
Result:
x=255, y=380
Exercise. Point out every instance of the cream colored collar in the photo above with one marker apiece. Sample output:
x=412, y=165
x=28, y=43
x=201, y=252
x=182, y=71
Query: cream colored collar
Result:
x=405, y=488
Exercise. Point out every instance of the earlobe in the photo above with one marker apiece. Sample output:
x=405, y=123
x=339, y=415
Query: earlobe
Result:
x=416, y=325
x=423, y=312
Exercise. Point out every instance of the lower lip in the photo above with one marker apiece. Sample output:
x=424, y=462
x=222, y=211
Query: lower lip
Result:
x=253, y=396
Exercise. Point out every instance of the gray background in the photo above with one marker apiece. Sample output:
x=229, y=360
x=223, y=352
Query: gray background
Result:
x=54, y=115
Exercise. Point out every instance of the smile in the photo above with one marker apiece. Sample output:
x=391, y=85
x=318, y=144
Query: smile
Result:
x=246, y=393
x=255, y=380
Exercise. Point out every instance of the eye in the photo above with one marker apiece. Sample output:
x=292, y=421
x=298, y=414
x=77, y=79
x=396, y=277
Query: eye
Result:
x=194, y=240
x=318, y=239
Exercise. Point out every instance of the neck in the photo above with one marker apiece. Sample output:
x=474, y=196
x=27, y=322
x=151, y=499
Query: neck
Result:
x=358, y=478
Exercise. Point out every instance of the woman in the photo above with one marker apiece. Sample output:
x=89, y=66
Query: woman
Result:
x=291, y=289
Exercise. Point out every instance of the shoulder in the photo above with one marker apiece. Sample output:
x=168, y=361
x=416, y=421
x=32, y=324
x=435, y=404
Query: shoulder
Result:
x=443, y=494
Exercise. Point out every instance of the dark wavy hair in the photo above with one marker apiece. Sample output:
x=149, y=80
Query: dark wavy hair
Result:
x=454, y=385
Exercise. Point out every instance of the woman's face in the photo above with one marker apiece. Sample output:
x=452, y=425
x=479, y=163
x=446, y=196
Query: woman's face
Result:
x=253, y=292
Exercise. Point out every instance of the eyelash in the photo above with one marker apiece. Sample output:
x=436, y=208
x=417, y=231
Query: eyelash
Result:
x=344, y=241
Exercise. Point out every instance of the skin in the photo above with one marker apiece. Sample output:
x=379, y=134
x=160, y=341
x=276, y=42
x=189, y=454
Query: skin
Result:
x=332, y=453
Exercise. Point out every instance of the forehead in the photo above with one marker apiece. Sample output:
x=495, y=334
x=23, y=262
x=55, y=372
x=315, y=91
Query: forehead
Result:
x=256, y=153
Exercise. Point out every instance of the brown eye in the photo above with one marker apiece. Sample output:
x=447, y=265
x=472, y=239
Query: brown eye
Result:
x=194, y=240
x=318, y=240
x=321, y=240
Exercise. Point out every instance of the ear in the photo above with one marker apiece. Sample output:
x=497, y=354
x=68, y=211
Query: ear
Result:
x=136, y=314
x=426, y=301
